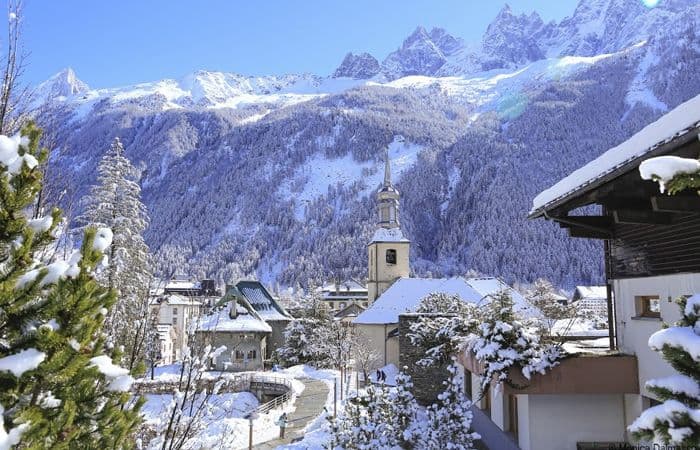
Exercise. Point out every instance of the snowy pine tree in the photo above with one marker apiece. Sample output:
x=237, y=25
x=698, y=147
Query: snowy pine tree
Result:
x=676, y=422
x=448, y=424
x=543, y=296
x=301, y=343
x=379, y=417
x=115, y=202
x=57, y=385
x=502, y=342
x=401, y=414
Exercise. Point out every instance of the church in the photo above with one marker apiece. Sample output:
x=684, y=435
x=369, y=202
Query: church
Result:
x=391, y=289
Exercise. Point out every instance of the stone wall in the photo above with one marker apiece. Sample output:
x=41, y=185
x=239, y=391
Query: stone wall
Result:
x=427, y=381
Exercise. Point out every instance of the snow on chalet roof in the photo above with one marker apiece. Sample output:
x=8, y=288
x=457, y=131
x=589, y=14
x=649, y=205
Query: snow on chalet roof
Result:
x=486, y=286
x=261, y=300
x=220, y=320
x=345, y=286
x=682, y=118
x=389, y=235
x=405, y=295
x=591, y=292
x=182, y=284
x=175, y=299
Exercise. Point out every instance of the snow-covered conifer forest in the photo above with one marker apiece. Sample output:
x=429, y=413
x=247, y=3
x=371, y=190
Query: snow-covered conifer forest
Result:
x=474, y=131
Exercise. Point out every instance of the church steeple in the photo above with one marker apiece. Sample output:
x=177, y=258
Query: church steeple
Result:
x=388, y=199
x=388, y=251
x=387, y=169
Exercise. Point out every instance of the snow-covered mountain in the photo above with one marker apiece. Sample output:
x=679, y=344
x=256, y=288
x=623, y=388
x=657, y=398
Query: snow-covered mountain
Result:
x=274, y=175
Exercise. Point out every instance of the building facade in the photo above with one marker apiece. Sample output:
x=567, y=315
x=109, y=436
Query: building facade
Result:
x=651, y=242
x=236, y=325
x=177, y=312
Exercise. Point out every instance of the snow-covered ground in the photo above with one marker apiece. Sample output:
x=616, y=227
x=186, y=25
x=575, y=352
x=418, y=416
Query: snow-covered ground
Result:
x=578, y=327
x=316, y=433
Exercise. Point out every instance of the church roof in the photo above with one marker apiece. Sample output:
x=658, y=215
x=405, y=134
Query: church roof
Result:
x=405, y=295
x=389, y=235
x=491, y=285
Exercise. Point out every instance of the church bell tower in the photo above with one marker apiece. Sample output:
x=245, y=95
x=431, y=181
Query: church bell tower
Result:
x=389, y=250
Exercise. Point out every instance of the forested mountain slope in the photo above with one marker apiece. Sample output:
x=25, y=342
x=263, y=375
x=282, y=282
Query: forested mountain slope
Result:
x=274, y=176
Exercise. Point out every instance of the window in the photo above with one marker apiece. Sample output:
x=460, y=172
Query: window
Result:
x=648, y=306
x=513, y=415
x=174, y=311
x=252, y=354
x=391, y=256
x=174, y=320
x=239, y=355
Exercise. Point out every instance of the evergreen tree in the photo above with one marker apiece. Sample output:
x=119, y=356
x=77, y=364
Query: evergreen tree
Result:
x=115, y=202
x=58, y=388
x=502, y=342
x=676, y=421
x=543, y=296
x=449, y=421
x=301, y=343
x=401, y=412
x=379, y=417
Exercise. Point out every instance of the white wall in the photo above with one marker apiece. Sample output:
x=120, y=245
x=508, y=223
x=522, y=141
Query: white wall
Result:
x=633, y=333
x=558, y=422
x=386, y=350
x=524, y=422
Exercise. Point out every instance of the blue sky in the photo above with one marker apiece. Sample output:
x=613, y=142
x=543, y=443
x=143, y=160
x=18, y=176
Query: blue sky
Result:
x=112, y=43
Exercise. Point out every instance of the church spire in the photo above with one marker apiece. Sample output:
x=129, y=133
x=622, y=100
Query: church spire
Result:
x=388, y=199
x=387, y=169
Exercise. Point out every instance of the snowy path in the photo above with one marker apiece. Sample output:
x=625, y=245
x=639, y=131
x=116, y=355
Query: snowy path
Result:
x=309, y=405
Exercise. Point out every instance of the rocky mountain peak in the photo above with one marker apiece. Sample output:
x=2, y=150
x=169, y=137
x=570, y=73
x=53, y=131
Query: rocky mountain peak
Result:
x=360, y=66
x=64, y=84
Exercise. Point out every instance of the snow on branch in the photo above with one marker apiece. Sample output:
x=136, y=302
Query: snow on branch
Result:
x=673, y=173
x=21, y=362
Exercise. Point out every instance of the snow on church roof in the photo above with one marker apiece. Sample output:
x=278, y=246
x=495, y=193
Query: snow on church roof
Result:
x=682, y=118
x=406, y=294
x=490, y=285
x=389, y=235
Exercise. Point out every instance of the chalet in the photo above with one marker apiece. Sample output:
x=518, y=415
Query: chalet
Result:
x=338, y=296
x=235, y=324
x=348, y=314
x=269, y=310
x=651, y=247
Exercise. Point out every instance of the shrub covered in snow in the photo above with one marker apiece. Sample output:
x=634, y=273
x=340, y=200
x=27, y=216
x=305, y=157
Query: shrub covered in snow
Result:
x=499, y=339
x=676, y=421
